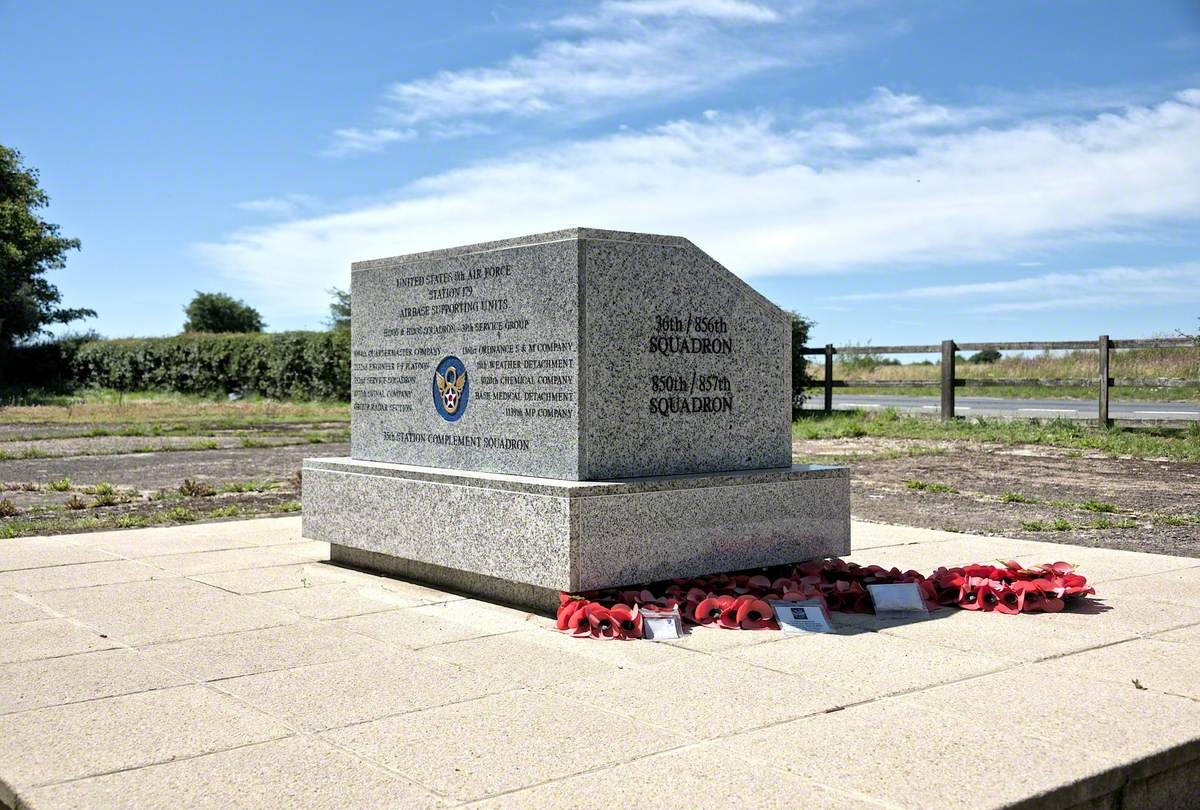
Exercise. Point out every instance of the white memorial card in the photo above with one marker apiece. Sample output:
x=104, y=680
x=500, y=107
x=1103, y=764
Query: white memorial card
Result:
x=807, y=616
x=661, y=625
x=899, y=601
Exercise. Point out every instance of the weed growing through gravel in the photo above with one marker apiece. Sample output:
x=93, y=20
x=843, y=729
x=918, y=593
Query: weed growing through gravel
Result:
x=196, y=489
x=248, y=486
x=1015, y=497
x=1176, y=520
x=179, y=514
x=105, y=499
x=1105, y=523
x=75, y=502
x=61, y=485
x=288, y=506
x=8, y=508
x=927, y=487
x=1098, y=506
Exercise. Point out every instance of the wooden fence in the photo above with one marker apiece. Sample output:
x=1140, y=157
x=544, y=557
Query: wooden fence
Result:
x=948, y=382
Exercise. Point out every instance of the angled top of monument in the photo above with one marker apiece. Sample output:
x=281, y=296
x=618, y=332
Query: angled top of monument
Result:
x=579, y=354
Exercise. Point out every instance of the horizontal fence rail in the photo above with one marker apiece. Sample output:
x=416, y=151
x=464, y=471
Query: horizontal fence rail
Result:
x=948, y=382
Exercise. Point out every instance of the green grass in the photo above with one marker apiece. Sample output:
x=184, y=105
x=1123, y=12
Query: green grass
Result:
x=28, y=452
x=1105, y=523
x=247, y=486
x=1098, y=506
x=1180, y=444
x=1056, y=525
x=1176, y=520
x=927, y=487
x=1187, y=393
x=107, y=407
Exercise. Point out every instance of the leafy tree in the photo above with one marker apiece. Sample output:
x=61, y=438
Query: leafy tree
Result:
x=29, y=247
x=339, y=309
x=800, y=379
x=218, y=312
x=985, y=356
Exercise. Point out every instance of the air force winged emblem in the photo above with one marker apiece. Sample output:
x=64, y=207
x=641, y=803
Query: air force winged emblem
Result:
x=450, y=389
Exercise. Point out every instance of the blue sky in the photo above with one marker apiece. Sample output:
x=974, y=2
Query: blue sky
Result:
x=900, y=172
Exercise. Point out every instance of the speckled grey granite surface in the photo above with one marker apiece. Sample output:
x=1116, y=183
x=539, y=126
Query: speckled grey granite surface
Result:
x=571, y=536
x=589, y=354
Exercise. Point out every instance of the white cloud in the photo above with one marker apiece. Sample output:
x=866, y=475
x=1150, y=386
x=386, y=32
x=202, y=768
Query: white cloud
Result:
x=1178, y=283
x=768, y=199
x=350, y=141
x=282, y=206
x=621, y=53
x=726, y=10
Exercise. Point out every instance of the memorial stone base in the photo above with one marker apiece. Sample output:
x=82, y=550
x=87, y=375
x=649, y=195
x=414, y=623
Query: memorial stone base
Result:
x=521, y=540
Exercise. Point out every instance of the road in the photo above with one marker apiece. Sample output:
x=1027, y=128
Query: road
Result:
x=1018, y=408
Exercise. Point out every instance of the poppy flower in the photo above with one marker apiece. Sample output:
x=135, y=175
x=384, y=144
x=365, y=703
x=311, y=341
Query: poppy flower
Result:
x=578, y=623
x=754, y=614
x=566, y=610
x=707, y=611
x=628, y=620
x=1008, y=601
x=729, y=608
x=601, y=622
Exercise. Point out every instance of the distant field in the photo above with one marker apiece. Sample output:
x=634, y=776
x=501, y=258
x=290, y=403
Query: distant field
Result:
x=103, y=460
x=139, y=410
x=1142, y=364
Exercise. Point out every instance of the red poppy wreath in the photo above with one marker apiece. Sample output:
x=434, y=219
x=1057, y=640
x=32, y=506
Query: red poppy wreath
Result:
x=741, y=600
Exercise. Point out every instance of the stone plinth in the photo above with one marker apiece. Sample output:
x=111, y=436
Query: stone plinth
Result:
x=521, y=539
x=578, y=354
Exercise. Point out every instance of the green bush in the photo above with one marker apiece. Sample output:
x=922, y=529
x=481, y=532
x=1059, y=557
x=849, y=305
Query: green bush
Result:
x=44, y=364
x=281, y=365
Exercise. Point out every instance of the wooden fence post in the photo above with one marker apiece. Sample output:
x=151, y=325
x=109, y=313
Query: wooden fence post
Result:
x=828, y=378
x=947, y=380
x=1104, y=381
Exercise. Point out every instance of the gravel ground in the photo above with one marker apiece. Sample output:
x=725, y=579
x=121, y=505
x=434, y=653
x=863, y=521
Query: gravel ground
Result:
x=1156, y=503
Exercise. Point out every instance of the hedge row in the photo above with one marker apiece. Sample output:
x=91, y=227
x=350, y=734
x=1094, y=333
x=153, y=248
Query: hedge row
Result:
x=280, y=365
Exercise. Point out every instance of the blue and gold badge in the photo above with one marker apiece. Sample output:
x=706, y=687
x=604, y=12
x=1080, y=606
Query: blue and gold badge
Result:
x=451, y=388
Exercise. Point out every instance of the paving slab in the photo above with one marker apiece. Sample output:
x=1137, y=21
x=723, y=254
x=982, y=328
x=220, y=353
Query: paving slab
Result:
x=1146, y=663
x=47, y=638
x=229, y=559
x=78, y=575
x=340, y=599
x=228, y=655
x=249, y=672
x=163, y=610
x=58, y=743
x=538, y=657
x=274, y=578
x=39, y=552
x=440, y=623
x=905, y=755
x=1126, y=724
x=841, y=662
x=16, y=609
x=500, y=743
x=299, y=772
x=378, y=684
x=75, y=678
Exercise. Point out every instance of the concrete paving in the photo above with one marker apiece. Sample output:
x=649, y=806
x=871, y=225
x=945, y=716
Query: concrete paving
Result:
x=229, y=665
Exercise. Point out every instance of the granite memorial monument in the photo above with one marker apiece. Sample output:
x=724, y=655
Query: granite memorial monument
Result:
x=568, y=411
